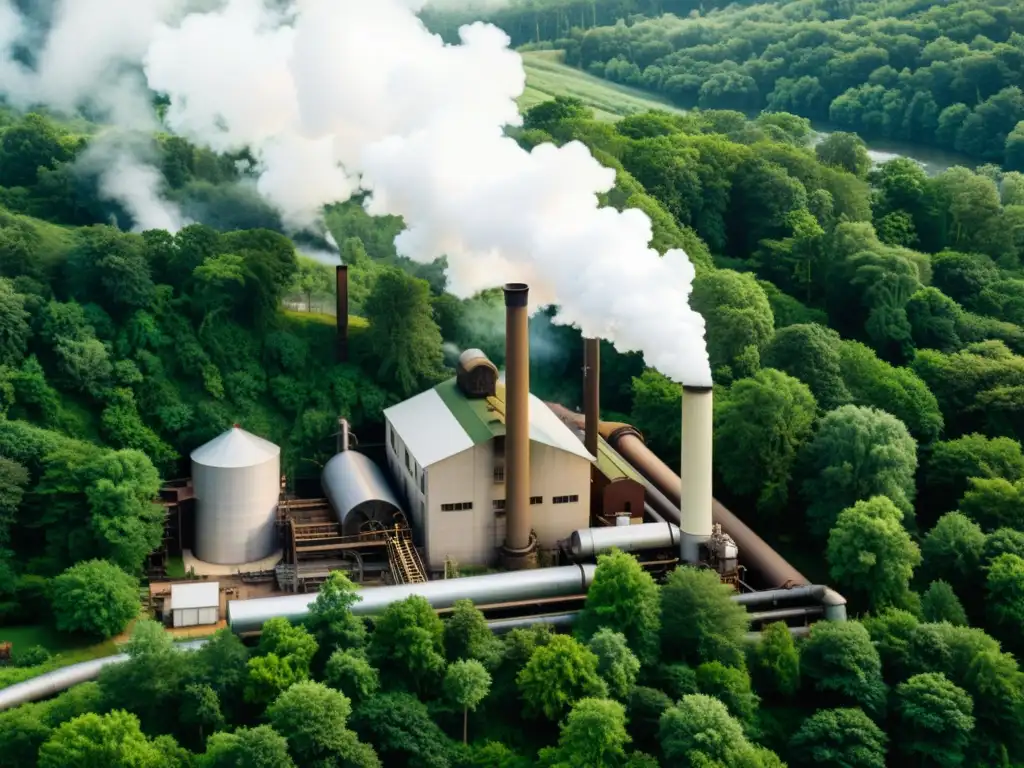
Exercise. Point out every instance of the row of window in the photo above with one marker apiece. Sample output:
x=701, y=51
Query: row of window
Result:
x=409, y=463
x=499, y=504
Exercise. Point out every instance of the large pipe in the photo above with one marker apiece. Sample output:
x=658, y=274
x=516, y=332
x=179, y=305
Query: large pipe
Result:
x=590, y=542
x=520, y=548
x=341, y=277
x=591, y=393
x=492, y=589
x=695, y=492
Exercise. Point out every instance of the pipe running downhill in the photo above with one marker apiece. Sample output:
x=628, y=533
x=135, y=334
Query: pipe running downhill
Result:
x=695, y=491
x=520, y=549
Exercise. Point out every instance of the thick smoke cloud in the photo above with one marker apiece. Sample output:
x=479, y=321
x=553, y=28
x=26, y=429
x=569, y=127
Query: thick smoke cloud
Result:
x=333, y=96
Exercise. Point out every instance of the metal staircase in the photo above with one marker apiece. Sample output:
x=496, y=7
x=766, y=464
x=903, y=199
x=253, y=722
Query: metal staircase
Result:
x=405, y=562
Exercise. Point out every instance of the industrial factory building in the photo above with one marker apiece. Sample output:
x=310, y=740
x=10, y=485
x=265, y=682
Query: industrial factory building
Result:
x=446, y=450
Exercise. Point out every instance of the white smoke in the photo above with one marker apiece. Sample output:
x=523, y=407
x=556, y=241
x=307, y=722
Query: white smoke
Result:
x=340, y=95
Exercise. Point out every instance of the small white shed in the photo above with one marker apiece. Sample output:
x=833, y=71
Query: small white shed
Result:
x=195, y=604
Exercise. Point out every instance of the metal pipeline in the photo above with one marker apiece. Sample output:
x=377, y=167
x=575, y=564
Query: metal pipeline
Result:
x=755, y=552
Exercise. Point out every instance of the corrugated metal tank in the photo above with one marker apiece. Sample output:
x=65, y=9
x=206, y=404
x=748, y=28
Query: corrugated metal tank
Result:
x=249, y=615
x=358, y=491
x=237, y=482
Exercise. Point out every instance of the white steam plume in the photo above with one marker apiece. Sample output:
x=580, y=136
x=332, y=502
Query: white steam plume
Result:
x=338, y=95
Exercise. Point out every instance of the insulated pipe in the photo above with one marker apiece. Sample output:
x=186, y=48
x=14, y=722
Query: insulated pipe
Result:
x=755, y=552
x=652, y=513
x=519, y=549
x=557, y=620
x=590, y=542
x=695, y=466
x=341, y=276
x=591, y=393
x=495, y=588
x=782, y=614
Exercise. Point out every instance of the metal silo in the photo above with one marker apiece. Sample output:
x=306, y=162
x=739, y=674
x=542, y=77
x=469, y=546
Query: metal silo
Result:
x=237, y=481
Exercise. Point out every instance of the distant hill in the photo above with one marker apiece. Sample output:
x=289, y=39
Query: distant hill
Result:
x=547, y=77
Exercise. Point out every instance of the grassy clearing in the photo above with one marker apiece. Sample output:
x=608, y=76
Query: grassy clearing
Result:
x=547, y=77
x=66, y=649
x=175, y=568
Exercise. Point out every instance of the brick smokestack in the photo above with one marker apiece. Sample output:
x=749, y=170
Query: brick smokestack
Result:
x=591, y=392
x=520, y=545
x=695, y=471
x=341, y=275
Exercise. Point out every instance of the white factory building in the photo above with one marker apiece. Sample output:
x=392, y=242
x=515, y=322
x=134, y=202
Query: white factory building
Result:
x=446, y=451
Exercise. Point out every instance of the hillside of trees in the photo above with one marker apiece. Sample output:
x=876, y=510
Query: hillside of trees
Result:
x=946, y=75
x=866, y=330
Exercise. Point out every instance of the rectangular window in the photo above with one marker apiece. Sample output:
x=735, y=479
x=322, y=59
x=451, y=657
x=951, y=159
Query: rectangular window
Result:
x=536, y=499
x=408, y=463
x=499, y=474
x=498, y=505
x=394, y=442
x=565, y=499
x=457, y=507
x=423, y=483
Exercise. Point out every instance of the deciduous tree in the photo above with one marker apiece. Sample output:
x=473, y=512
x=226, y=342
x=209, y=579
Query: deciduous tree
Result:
x=558, y=674
x=95, y=598
x=934, y=721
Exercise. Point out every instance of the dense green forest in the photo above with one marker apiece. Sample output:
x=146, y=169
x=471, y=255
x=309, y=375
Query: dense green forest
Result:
x=946, y=75
x=866, y=331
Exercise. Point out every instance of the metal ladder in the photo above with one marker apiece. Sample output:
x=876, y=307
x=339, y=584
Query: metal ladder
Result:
x=406, y=567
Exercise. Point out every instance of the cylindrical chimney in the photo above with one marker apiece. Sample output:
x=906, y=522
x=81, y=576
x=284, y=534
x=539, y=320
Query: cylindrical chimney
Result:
x=519, y=544
x=341, y=275
x=591, y=393
x=695, y=471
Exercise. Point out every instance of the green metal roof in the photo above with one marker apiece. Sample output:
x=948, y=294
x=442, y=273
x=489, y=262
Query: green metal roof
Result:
x=611, y=465
x=477, y=417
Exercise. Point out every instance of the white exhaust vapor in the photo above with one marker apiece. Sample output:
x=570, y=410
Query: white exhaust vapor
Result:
x=334, y=96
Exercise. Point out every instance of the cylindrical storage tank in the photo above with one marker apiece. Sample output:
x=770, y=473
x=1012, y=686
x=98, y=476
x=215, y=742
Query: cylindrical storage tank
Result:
x=237, y=483
x=358, y=492
x=590, y=542
x=516, y=586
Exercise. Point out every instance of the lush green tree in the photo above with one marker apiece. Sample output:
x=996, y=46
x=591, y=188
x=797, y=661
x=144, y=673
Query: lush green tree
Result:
x=731, y=686
x=313, y=718
x=467, y=636
x=558, y=674
x=259, y=747
x=330, y=617
x=845, y=150
x=699, y=620
x=994, y=502
x=940, y=603
x=871, y=555
x=623, y=598
x=644, y=710
x=616, y=664
x=952, y=463
x=739, y=321
x=810, y=352
x=842, y=665
x=200, y=708
x=592, y=736
x=760, y=425
x=14, y=324
x=698, y=730
x=951, y=551
x=408, y=645
x=775, y=662
x=1005, y=591
x=935, y=320
x=312, y=278
x=656, y=403
x=856, y=454
x=113, y=740
x=30, y=145
x=352, y=674
x=402, y=331
x=23, y=730
x=466, y=684
x=13, y=482
x=400, y=728
x=1001, y=542
x=934, y=721
x=95, y=598
x=838, y=738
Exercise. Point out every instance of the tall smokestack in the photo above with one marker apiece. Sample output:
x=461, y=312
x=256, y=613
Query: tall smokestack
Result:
x=591, y=392
x=695, y=471
x=520, y=547
x=341, y=275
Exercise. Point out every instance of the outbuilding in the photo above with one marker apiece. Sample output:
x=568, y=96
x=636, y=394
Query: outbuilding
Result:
x=195, y=604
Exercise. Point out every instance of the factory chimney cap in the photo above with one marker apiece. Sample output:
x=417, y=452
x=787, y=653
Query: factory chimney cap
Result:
x=516, y=294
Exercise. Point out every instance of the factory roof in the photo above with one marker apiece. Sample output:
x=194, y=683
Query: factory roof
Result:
x=201, y=594
x=442, y=422
x=235, y=448
x=609, y=462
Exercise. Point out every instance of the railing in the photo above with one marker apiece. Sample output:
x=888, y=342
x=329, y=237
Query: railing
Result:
x=406, y=566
